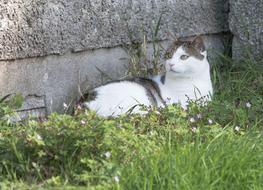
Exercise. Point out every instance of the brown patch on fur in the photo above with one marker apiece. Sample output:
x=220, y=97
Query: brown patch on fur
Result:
x=152, y=89
x=163, y=79
x=172, y=48
x=191, y=51
x=87, y=97
x=192, y=48
x=198, y=44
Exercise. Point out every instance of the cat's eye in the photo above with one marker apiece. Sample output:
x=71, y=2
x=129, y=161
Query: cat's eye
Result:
x=184, y=57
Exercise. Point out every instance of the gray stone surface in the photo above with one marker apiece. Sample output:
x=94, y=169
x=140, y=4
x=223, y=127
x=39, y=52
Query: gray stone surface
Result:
x=53, y=80
x=31, y=28
x=246, y=23
x=33, y=106
x=58, y=79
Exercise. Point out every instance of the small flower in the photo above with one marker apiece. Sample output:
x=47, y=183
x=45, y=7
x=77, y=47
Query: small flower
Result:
x=34, y=164
x=192, y=120
x=151, y=133
x=248, y=105
x=117, y=179
x=79, y=107
x=210, y=121
x=193, y=129
x=82, y=122
x=199, y=116
x=237, y=128
x=39, y=137
x=107, y=154
x=65, y=105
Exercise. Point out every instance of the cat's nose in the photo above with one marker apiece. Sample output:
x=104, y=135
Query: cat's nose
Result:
x=169, y=63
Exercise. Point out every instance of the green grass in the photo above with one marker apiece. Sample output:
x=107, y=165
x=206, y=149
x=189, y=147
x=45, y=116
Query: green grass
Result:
x=155, y=151
x=224, y=162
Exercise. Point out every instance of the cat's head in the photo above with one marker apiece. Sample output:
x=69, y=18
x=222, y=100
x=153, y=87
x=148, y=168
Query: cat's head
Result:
x=187, y=58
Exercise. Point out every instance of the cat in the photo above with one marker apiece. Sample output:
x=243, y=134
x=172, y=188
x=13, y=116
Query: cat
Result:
x=187, y=77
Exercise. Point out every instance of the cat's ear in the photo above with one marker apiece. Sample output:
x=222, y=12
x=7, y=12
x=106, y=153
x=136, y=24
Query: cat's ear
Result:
x=198, y=44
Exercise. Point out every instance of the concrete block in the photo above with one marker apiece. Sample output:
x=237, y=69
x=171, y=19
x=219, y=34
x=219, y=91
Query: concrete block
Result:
x=34, y=28
x=246, y=23
x=58, y=79
x=33, y=106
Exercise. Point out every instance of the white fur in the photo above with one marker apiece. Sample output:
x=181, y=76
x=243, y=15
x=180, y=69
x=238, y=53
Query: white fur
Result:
x=184, y=78
x=118, y=98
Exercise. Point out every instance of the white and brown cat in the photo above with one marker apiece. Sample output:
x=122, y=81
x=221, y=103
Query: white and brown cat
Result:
x=187, y=77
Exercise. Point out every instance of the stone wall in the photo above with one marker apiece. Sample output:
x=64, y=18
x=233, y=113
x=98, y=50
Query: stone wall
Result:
x=246, y=23
x=53, y=80
x=50, y=47
x=42, y=27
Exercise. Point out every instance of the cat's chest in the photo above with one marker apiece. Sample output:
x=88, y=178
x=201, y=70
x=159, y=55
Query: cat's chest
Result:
x=180, y=92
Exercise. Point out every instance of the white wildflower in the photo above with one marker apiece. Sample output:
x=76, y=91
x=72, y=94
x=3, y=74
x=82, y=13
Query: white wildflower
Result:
x=65, y=105
x=194, y=129
x=210, y=121
x=82, y=122
x=151, y=133
x=79, y=107
x=34, y=164
x=237, y=128
x=199, y=116
x=39, y=137
x=107, y=154
x=192, y=120
x=117, y=179
x=248, y=105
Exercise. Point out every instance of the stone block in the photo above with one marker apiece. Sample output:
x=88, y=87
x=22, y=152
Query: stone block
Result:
x=246, y=23
x=34, y=28
x=60, y=79
x=33, y=106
